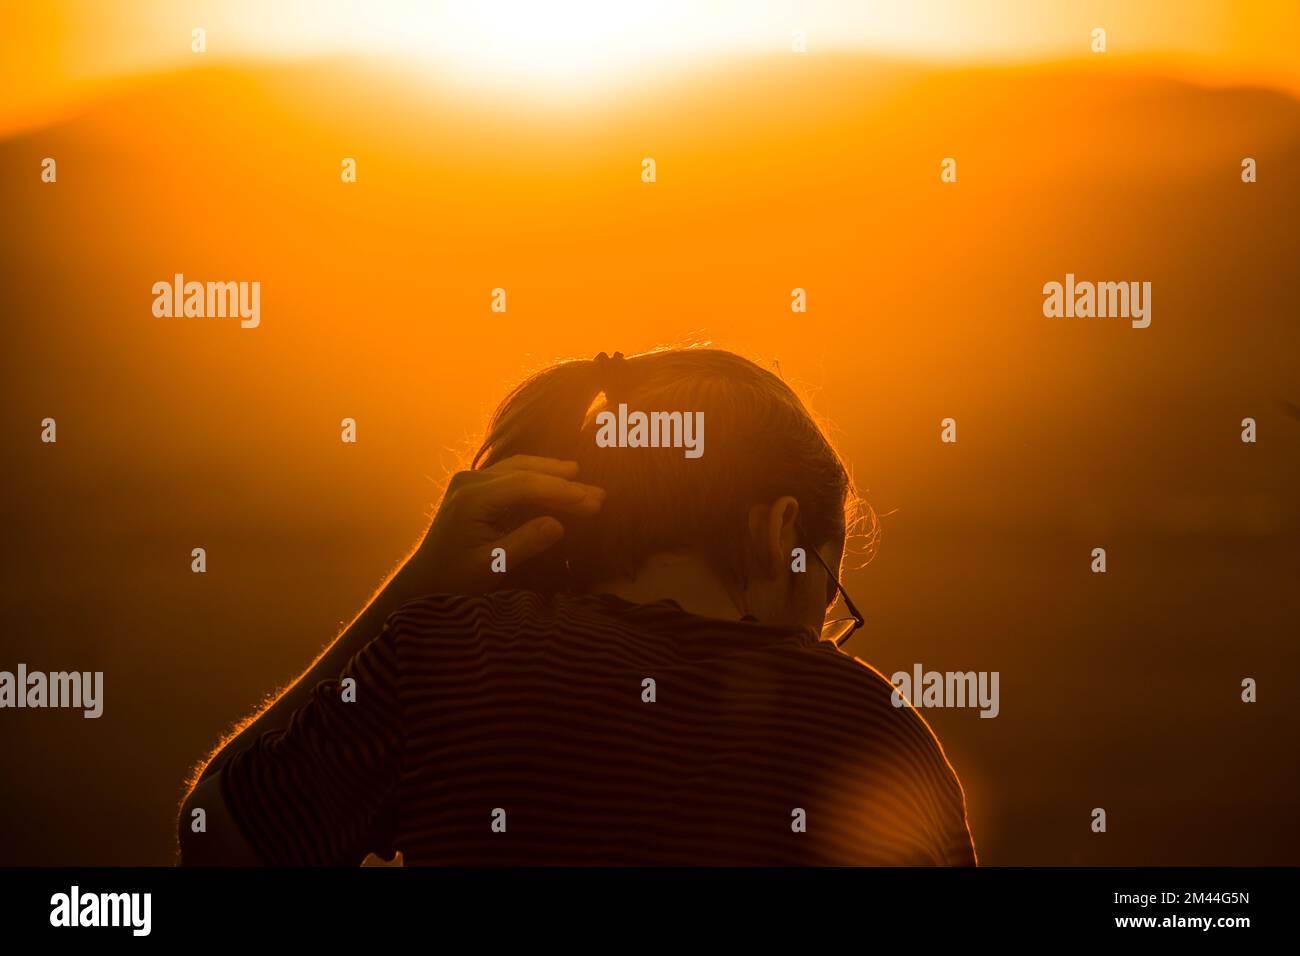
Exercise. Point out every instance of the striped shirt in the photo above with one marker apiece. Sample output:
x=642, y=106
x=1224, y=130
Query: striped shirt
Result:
x=516, y=729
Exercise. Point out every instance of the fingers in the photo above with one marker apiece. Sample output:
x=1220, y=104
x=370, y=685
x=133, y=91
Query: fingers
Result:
x=515, y=463
x=481, y=504
x=539, y=491
x=530, y=539
x=546, y=466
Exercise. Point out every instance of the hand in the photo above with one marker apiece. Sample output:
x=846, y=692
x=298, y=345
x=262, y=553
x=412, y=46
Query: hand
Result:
x=486, y=509
x=510, y=505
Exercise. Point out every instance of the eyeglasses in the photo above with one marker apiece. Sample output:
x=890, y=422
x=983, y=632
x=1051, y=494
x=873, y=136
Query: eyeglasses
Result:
x=841, y=628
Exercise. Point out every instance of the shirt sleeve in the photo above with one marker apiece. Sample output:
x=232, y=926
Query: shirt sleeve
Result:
x=321, y=791
x=895, y=800
x=937, y=828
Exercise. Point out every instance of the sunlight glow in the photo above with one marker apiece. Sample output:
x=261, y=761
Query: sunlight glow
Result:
x=55, y=54
x=553, y=43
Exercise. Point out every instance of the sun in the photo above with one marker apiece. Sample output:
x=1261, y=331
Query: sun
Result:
x=543, y=42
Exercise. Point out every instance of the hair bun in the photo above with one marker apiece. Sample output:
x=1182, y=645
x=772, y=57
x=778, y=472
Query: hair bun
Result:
x=609, y=371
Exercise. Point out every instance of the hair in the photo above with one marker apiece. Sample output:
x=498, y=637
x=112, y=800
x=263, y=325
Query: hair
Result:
x=762, y=443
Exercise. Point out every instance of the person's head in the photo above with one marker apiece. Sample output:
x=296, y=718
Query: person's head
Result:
x=766, y=479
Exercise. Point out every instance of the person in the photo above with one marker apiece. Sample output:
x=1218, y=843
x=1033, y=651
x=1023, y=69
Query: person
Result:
x=602, y=653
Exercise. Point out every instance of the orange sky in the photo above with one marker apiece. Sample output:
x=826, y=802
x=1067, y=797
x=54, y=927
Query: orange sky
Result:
x=58, y=54
x=774, y=172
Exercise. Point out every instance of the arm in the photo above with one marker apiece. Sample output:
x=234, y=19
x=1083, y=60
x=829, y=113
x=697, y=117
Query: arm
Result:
x=321, y=790
x=404, y=586
x=454, y=557
x=228, y=847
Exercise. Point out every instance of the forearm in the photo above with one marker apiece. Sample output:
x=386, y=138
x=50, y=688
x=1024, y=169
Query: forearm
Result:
x=220, y=842
x=476, y=518
x=410, y=582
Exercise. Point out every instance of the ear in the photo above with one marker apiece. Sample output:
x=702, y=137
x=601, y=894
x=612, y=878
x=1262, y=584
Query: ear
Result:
x=772, y=530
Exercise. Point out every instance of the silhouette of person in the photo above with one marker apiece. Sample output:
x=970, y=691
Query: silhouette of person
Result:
x=602, y=655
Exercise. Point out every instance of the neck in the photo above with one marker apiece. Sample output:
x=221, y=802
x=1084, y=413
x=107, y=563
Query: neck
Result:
x=685, y=578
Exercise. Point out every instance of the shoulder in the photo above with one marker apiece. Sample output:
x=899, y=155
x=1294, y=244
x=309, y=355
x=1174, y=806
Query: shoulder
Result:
x=888, y=737
x=863, y=688
x=878, y=702
x=469, y=610
x=514, y=621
